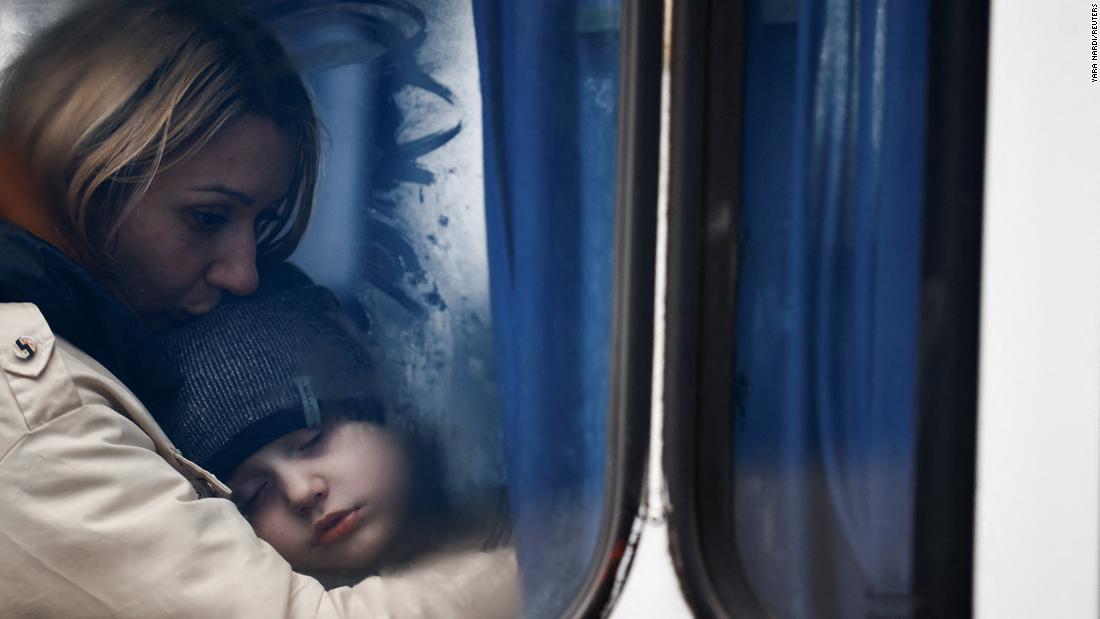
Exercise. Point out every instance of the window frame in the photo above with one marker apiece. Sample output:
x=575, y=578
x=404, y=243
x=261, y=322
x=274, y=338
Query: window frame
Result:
x=631, y=351
x=947, y=369
x=707, y=73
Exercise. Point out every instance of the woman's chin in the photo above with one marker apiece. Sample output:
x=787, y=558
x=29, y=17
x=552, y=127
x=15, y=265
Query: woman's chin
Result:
x=160, y=321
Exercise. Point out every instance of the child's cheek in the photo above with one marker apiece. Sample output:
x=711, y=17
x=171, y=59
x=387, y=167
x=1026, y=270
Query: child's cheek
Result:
x=284, y=533
x=393, y=468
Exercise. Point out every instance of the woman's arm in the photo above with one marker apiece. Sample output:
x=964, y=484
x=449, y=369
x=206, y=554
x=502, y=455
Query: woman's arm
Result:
x=94, y=523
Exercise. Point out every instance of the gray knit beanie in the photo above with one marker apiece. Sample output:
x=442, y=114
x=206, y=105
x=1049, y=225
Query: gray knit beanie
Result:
x=256, y=369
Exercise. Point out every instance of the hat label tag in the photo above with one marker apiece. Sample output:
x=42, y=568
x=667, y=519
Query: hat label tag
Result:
x=310, y=408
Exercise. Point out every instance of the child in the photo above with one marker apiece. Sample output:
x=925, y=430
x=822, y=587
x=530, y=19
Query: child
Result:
x=278, y=399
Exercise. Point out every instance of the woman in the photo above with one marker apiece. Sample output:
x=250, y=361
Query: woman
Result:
x=150, y=152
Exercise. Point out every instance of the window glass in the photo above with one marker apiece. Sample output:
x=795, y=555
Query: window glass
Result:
x=826, y=348
x=19, y=19
x=549, y=75
x=399, y=232
x=464, y=226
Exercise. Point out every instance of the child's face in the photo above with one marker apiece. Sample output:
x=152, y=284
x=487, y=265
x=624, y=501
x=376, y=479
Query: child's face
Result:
x=329, y=499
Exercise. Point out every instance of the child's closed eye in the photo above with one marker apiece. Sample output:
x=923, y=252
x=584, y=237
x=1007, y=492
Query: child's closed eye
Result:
x=313, y=444
x=252, y=499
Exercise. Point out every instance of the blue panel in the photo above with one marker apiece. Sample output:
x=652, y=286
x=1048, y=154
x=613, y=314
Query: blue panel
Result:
x=549, y=77
x=828, y=304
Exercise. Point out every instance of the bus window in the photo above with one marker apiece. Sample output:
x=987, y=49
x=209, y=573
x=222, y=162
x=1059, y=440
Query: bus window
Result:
x=810, y=307
x=472, y=295
x=570, y=92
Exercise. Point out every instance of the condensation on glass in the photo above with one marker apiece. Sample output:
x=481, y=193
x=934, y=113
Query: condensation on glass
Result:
x=399, y=230
x=19, y=19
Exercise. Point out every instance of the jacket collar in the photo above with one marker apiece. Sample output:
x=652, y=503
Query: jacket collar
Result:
x=21, y=204
x=79, y=309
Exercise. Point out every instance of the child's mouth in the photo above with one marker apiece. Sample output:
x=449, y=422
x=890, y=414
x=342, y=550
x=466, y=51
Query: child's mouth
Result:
x=335, y=526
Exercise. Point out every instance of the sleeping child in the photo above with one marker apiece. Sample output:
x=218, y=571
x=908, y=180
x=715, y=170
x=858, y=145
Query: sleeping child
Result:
x=278, y=400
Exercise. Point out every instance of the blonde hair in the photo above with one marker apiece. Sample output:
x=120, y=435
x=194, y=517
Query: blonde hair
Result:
x=120, y=90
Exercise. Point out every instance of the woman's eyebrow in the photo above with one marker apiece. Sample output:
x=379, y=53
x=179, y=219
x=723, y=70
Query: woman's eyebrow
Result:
x=240, y=196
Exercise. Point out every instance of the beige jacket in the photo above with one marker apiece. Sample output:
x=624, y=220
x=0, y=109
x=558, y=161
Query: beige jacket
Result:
x=100, y=515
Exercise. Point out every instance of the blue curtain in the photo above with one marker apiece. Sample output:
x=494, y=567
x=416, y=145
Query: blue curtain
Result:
x=826, y=354
x=550, y=89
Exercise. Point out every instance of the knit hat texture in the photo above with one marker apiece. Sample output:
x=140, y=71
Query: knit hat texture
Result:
x=256, y=369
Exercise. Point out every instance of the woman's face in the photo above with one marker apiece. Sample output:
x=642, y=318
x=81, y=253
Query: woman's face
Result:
x=192, y=236
x=329, y=499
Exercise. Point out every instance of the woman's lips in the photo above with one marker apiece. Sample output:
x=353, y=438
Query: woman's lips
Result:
x=335, y=526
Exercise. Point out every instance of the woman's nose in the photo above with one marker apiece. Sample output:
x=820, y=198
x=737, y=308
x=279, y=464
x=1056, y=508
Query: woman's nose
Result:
x=234, y=266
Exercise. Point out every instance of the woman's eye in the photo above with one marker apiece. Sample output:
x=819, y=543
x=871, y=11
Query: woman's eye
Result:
x=207, y=219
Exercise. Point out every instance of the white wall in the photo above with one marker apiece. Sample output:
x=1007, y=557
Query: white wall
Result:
x=1038, y=499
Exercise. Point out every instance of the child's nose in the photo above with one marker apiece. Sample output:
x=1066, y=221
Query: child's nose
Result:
x=306, y=493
